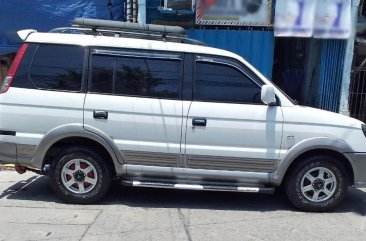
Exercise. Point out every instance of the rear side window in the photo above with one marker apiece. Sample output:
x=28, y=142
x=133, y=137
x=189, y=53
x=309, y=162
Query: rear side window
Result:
x=102, y=74
x=57, y=67
x=131, y=76
x=224, y=83
x=147, y=77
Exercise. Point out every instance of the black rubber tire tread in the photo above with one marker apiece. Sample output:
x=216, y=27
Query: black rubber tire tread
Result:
x=103, y=171
x=293, y=184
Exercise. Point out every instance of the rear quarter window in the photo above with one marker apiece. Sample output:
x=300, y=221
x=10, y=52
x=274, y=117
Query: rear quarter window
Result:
x=57, y=67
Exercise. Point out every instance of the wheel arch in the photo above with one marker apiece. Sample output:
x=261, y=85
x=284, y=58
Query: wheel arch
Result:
x=72, y=135
x=316, y=146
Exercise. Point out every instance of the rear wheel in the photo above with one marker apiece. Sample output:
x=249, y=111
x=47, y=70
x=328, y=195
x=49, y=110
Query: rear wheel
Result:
x=317, y=183
x=80, y=175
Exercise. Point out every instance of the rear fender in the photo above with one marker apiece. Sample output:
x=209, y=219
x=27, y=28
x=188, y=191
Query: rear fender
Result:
x=77, y=130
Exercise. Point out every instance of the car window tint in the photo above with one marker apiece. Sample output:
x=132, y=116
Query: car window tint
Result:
x=58, y=67
x=102, y=74
x=224, y=83
x=147, y=77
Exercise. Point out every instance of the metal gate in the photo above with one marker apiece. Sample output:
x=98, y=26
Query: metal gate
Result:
x=330, y=76
x=357, y=89
x=357, y=98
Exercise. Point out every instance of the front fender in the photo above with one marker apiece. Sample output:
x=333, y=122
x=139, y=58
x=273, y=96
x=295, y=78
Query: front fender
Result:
x=76, y=130
x=305, y=146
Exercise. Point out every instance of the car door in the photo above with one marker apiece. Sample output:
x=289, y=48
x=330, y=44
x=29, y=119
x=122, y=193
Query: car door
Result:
x=227, y=125
x=135, y=98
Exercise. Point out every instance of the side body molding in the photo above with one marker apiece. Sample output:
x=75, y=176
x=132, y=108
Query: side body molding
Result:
x=77, y=130
x=304, y=146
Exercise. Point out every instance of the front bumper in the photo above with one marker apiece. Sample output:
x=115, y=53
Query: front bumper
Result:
x=358, y=162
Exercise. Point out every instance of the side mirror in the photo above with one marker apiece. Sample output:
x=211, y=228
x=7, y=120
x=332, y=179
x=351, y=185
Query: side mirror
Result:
x=268, y=95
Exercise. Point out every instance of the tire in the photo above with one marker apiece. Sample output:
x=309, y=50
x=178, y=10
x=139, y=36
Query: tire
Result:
x=79, y=175
x=316, y=184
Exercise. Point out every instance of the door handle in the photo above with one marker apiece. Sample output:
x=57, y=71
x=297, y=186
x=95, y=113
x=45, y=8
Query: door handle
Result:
x=199, y=121
x=100, y=114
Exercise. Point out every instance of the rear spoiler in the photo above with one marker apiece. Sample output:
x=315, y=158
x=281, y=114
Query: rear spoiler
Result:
x=23, y=34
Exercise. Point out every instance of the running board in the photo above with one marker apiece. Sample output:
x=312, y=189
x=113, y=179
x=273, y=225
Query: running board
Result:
x=266, y=190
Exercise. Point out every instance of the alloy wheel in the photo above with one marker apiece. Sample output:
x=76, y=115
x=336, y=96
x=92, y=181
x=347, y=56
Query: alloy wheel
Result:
x=79, y=176
x=318, y=184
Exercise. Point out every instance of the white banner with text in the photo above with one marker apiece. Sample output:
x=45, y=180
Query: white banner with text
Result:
x=313, y=18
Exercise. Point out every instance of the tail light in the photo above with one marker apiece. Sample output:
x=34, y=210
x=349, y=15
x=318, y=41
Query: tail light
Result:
x=13, y=69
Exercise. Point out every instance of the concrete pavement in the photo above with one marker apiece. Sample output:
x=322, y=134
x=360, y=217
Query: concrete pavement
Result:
x=30, y=211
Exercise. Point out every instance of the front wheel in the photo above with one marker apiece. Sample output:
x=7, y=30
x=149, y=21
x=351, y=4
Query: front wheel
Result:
x=317, y=183
x=80, y=175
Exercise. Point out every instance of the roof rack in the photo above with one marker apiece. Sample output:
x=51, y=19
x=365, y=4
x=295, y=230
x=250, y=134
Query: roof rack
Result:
x=113, y=25
x=129, y=30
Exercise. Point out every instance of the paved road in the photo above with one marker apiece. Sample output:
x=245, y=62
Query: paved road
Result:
x=30, y=211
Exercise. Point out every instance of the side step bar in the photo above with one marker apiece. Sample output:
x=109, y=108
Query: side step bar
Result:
x=225, y=188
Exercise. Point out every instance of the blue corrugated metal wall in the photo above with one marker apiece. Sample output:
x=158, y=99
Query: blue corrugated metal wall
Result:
x=330, y=76
x=257, y=47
